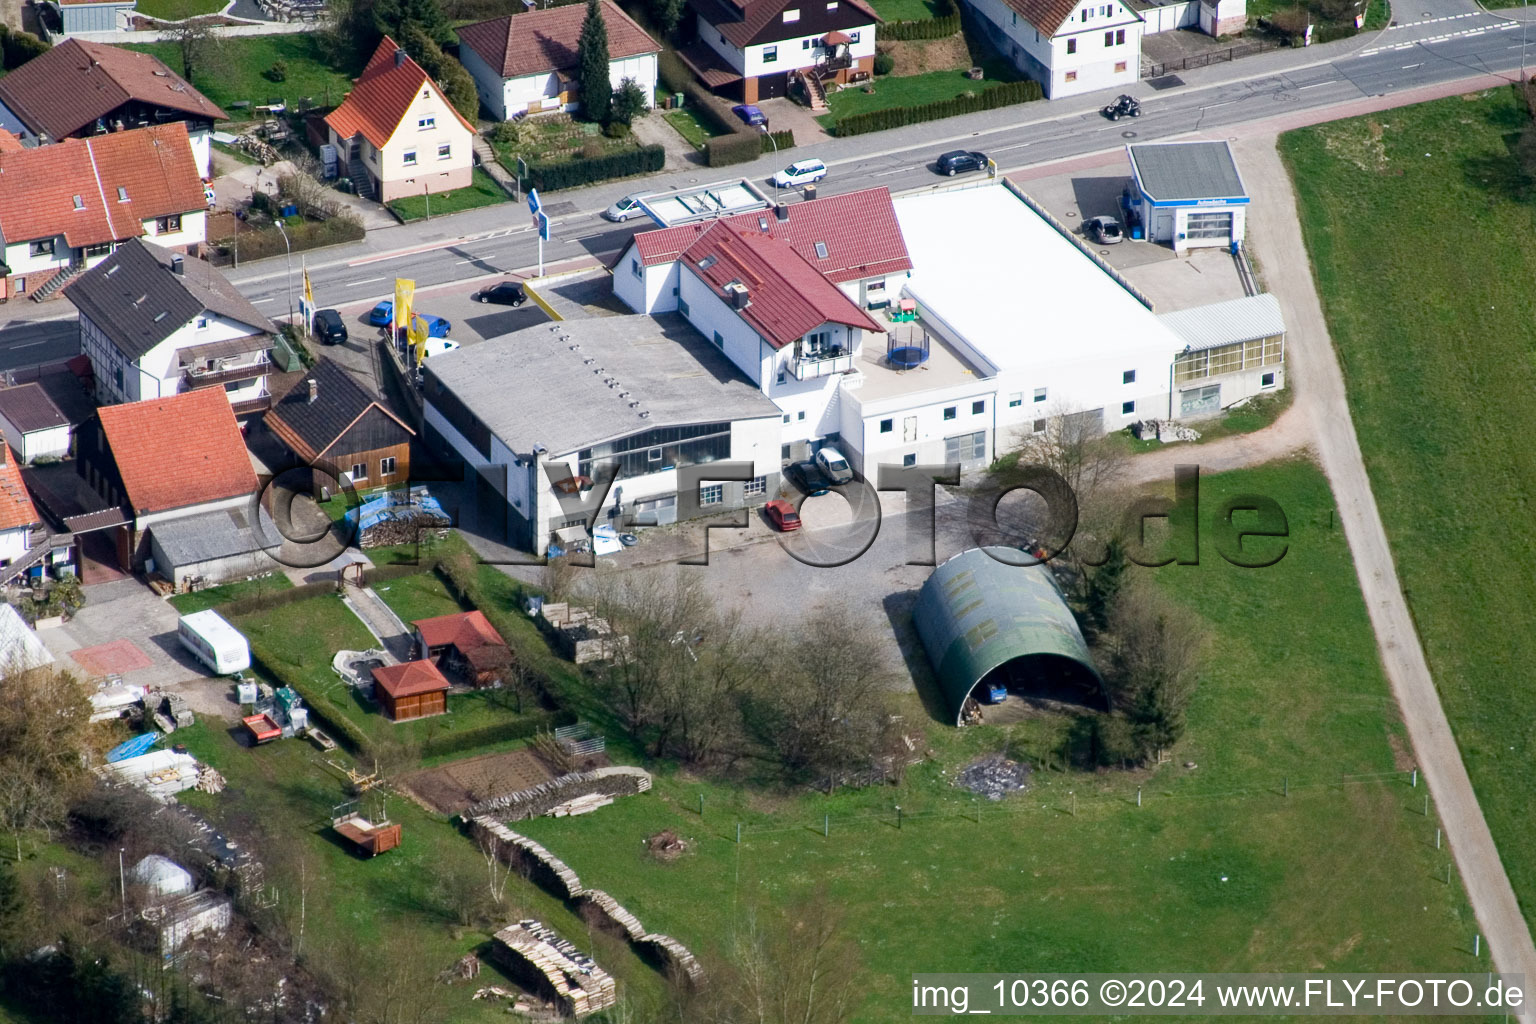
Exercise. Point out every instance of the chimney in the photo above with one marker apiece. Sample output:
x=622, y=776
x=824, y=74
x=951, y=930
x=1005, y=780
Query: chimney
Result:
x=178, y=266
x=314, y=388
x=740, y=296
x=781, y=211
x=399, y=58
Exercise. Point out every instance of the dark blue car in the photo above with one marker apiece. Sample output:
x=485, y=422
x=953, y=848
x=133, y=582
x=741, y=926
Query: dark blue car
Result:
x=381, y=314
x=750, y=114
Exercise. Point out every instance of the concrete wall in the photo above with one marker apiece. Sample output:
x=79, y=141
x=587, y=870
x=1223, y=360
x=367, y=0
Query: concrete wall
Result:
x=52, y=441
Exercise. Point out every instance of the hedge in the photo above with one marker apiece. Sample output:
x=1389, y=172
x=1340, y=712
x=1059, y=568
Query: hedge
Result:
x=783, y=140
x=548, y=177
x=499, y=732
x=309, y=234
x=922, y=28
x=895, y=117
x=735, y=148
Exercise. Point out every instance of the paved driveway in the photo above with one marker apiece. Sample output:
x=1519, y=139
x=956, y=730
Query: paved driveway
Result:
x=124, y=628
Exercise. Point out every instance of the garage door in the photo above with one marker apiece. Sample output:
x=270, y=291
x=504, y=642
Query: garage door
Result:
x=1209, y=225
x=966, y=449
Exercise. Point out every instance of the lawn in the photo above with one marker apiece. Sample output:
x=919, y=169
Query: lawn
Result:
x=1218, y=870
x=905, y=10
x=483, y=192
x=237, y=74
x=212, y=597
x=177, y=10
x=420, y=596
x=689, y=127
x=550, y=137
x=1436, y=343
x=913, y=91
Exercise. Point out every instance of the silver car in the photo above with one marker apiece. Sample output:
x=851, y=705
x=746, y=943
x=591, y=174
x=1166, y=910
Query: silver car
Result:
x=1104, y=230
x=624, y=209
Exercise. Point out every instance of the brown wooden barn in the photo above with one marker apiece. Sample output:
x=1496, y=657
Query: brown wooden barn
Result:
x=329, y=420
x=415, y=689
x=464, y=645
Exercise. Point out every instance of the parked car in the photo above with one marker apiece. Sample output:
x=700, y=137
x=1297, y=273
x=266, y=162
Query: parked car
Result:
x=380, y=316
x=958, y=160
x=801, y=172
x=808, y=478
x=624, y=209
x=329, y=327
x=782, y=515
x=750, y=114
x=1124, y=106
x=1104, y=230
x=832, y=464
x=508, y=293
x=438, y=346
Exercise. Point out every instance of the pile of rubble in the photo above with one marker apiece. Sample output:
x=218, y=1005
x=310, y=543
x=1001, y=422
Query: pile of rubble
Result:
x=1165, y=431
x=403, y=526
x=666, y=845
x=994, y=777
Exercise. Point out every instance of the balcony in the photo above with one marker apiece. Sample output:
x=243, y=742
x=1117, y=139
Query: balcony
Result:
x=829, y=65
x=823, y=363
x=199, y=377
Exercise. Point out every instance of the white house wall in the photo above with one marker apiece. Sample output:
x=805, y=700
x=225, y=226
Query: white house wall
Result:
x=802, y=51
x=716, y=41
x=14, y=543
x=645, y=289
x=38, y=443
x=1045, y=58
x=710, y=315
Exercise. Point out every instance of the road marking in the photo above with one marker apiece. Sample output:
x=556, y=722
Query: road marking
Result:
x=31, y=344
x=1410, y=67
x=369, y=280
x=1316, y=85
x=257, y=302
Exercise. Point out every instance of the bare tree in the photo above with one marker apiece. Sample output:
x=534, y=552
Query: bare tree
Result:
x=197, y=44
x=789, y=967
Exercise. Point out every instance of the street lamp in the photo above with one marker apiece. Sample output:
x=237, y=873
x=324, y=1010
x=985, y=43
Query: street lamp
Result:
x=289, y=249
x=764, y=129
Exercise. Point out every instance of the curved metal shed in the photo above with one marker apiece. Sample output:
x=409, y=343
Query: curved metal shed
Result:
x=976, y=614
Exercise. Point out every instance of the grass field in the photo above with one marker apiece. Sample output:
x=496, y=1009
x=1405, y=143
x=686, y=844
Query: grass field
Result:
x=688, y=126
x=177, y=10
x=212, y=597
x=904, y=10
x=483, y=191
x=1436, y=342
x=913, y=90
x=1337, y=875
x=237, y=74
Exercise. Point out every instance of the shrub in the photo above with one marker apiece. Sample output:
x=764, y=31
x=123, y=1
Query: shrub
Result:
x=782, y=140
x=735, y=148
x=547, y=177
x=628, y=102
x=943, y=8
x=259, y=245
x=499, y=732
x=896, y=117
x=1290, y=22
x=923, y=28
x=278, y=72
x=884, y=63
x=16, y=47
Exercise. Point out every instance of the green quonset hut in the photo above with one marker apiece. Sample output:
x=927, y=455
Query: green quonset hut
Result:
x=982, y=618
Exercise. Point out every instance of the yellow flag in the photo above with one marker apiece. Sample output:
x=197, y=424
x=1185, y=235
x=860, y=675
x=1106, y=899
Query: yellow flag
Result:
x=405, y=292
x=417, y=332
x=309, y=292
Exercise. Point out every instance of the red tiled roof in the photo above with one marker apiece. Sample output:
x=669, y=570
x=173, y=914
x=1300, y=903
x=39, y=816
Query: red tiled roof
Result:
x=1045, y=15
x=178, y=451
x=409, y=679
x=9, y=143
x=382, y=95
x=859, y=229
x=744, y=22
x=788, y=298
x=464, y=630
x=153, y=165
x=541, y=41
x=16, y=509
x=66, y=89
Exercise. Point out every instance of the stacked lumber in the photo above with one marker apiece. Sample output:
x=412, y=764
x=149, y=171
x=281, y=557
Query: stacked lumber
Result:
x=581, y=805
x=676, y=954
x=579, y=984
x=611, y=909
x=527, y=848
x=614, y=781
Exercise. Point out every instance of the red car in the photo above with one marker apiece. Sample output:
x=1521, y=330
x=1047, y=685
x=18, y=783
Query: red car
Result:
x=782, y=515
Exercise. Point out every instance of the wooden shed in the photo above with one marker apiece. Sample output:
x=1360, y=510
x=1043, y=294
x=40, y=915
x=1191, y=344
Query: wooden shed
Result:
x=412, y=690
x=368, y=837
x=464, y=644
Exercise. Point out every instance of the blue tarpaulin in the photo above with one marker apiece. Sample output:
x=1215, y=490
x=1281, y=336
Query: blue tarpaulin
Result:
x=132, y=748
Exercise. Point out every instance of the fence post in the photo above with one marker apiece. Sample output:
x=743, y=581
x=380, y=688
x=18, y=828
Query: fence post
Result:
x=1138, y=796
x=738, y=833
x=826, y=825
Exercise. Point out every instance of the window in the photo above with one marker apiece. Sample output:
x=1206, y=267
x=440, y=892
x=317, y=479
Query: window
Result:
x=1039, y=394
x=634, y=268
x=1127, y=408
x=719, y=341
x=1016, y=399
x=1202, y=401
x=426, y=94
x=654, y=455
x=230, y=387
x=165, y=225
x=886, y=426
x=1015, y=18
x=1070, y=76
x=786, y=417
x=722, y=39
x=1266, y=380
x=424, y=123
x=770, y=54
x=1071, y=45
x=43, y=248
x=122, y=194
x=782, y=375
x=1086, y=12
x=949, y=412
x=99, y=249
x=758, y=485
x=979, y=407
x=386, y=465
x=1209, y=225
x=1109, y=39
x=793, y=14
x=805, y=44
x=79, y=203
x=800, y=415
x=1119, y=66
x=909, y=460
x=21, y=285
x=853, y=37
x=966, y=447
x=117, y=375
x=203, y=322
x=410, y=158
x=832, y=6
x=712, y=494
x=1128, y=377
x=821, y=250
x=359, y=471
x=1038, y=426
x=682, y=305
x=1120, y=37
x=444, y=151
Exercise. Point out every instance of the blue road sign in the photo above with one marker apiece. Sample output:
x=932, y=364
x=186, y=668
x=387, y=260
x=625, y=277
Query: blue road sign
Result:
x=534, y=206
x=541, y=219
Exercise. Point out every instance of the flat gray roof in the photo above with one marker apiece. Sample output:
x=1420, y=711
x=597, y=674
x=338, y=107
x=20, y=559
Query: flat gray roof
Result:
x=579, y=383
x=211, y=535
x=1170, y=171
x=1224, y=323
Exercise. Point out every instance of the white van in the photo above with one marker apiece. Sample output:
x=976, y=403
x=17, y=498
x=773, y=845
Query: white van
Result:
x=215, y=642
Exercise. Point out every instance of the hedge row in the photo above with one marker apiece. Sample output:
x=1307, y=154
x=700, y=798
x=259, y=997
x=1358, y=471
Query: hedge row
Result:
x=575, y=173
x=309, y=234
x=783, y=140
x=500, y=732
x=340, y=728
x=735, y=148
x=895, y=117
x=923, y=28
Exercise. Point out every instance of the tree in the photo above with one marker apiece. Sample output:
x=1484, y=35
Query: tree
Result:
x=451, y=77
x=668, y=14
x=786, y=967
x=196, y=43
x=44, y=734
x=18, y=47
x=628, y=102
x=1153, y=663
x=1102, y=588
x=392, y=18
x=592, y=72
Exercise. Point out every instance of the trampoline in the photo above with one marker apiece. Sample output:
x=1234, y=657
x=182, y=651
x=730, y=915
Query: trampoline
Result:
x=907, y=353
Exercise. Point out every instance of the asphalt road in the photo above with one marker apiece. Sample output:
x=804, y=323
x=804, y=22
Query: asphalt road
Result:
x=31, y=343
x=1442, y=43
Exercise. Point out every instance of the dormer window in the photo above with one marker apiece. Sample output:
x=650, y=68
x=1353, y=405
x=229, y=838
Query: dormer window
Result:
x=122, y=194
x=79, y=203
x=792, y=15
